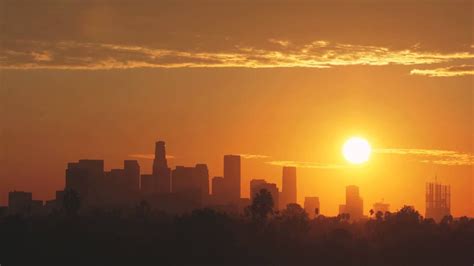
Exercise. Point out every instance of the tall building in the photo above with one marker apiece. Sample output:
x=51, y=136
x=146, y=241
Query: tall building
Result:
x=161, y=172
x=86, y=177
x=182, y=178
x=218, y=190
x=232, y=177
x=381, y=207
x=354, y=204
x=258, y=184
x=115, y=181
x=438, y=201
x=191, y=179
x=20, y=202
x=132, y=174
x=288, y=190
x=202, y=175
x=147, y=184
x=160, y=161
x=311, y=206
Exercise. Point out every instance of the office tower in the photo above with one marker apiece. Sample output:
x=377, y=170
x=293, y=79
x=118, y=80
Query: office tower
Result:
x=232, y=177
x=161, y=172
x=354, y=204
x=191, y=179
x=381, y=207
x=438, y=201
x=311, y=206
x=115, y=191
x=182, y=178
x=86, y=177
x=20, y=202
x=132, y=175
x=218, y=189
x=288, y=190
x=201, y=173
x=160, y=161
x=147, y=184
x=36, y=206
x=258, y=184
x=58, y=200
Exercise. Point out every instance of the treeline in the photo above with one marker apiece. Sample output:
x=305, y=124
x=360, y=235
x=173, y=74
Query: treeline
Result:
x=258, y=237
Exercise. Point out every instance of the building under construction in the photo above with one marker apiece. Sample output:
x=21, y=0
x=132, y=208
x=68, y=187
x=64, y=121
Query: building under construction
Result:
x=438, y=201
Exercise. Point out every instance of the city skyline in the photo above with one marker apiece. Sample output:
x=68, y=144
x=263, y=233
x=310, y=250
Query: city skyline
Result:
x=246, y=132
x=284, y=84
x=166, y=188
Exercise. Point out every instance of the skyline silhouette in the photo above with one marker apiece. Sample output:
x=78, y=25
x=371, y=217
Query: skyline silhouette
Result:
x=236, y=132
x=184, y=189
x=105, y=216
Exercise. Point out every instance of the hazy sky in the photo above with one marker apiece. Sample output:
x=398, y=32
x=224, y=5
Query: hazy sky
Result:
x=286, y=82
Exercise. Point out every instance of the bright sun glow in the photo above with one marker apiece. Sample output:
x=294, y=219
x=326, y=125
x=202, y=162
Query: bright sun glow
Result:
x=356, y=150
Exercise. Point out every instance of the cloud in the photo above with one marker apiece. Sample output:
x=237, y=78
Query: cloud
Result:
x=312, y=165
x=283, y=43
x=433, y=156
x=253, y=156
x=451, y=71
x=148, y=156
x=71, y=55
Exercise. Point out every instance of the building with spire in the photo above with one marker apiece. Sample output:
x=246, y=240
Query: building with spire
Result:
x=161, y=172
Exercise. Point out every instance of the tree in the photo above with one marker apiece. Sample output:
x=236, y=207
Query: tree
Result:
x=294, y=220
x=408, y=215
x=344, y=217
x=262, y=205
x=447, y=219
x=294, y=211
x=71, y=202
x=379, y=216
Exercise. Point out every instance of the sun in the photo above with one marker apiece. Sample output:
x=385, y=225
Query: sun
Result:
x=356, y=150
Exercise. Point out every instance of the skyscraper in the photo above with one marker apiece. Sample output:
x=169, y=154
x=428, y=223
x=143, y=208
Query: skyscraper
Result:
x=354, y=204
x=311, y=206
x=160, y=162
x=218, y=189
x=381, y=207
x=288, y=190
x=232, y=177
x=132, y=174
x=438, y=201
x=191, y=178
x=161, y=172
x=201, y=173
x=20, y=202
x=86, y=177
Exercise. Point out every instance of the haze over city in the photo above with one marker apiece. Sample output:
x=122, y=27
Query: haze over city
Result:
x=103, y=80
x=237, y=131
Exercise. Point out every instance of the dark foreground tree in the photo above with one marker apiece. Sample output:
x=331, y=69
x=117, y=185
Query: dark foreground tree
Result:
x=294, y=221
x=262, y=206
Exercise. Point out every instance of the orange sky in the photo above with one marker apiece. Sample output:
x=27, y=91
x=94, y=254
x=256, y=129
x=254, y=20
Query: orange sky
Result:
x=288, y=82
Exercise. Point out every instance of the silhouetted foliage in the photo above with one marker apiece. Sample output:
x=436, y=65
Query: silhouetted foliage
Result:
x=294, y=221
x=207, y=236
x=262, y=206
